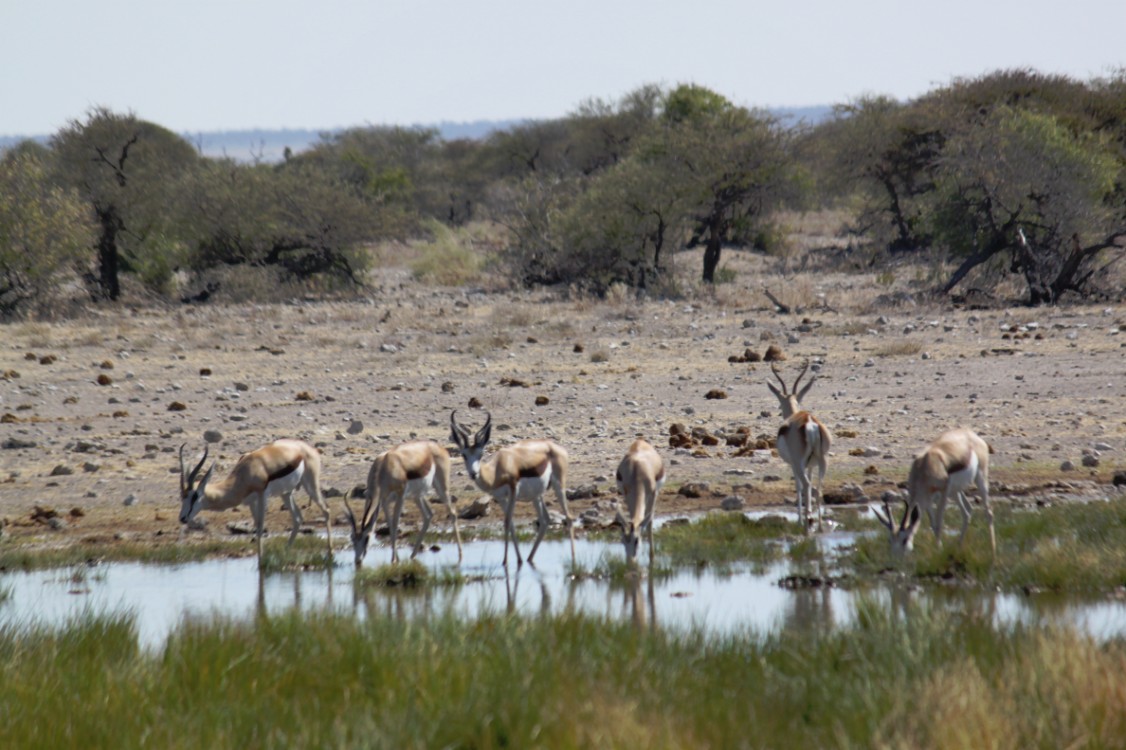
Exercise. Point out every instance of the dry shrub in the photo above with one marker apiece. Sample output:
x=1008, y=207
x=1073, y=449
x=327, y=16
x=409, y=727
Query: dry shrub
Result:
x=449, y=259
x=899, y=349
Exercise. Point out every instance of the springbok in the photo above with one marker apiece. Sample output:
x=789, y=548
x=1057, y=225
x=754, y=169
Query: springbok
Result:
x=522, y=471
x=408, y=470
x=802, y=442
x=946, y=467
x=641, y=474
x=275, y=469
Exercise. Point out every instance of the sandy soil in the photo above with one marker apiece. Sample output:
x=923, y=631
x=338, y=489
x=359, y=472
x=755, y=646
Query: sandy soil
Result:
x=1042, y=386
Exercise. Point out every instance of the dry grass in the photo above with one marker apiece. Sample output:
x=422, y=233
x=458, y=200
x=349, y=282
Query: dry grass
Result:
x=898, y=349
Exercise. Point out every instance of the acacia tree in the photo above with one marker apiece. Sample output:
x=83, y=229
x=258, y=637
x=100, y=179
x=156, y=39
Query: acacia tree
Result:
x=730, y=164
x=295, y=217
x=1020, y=184
x=44, y=229
x=126, y=170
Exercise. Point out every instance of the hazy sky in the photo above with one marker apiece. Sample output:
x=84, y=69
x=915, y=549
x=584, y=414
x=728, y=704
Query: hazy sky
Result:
x=234, y=64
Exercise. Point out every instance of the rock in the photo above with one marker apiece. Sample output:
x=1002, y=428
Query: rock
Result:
x=61, y=470
x=694, y=489
x=388, y=348
x=129, y=500
x=733, y=502
x=1119, y=478
x=1102, y=446
x=716, y=393
x=583, y=491
x=18, y=443
x=212, y=436
x=479, y=508
x=773, y=354
x=1067, y=466
x=1090, y=460
x=356, y=427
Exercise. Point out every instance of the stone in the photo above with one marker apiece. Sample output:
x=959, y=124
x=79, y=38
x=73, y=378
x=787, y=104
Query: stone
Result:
x=356, y=427
x=694, y=489
x=479, y=508
x=212, y=436
x=733, y=502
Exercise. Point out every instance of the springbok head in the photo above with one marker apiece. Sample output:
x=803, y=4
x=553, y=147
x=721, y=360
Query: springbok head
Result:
x=901, y=535
x=789, y=398
x=471, y=452
x=191, y=491
x=361, y=533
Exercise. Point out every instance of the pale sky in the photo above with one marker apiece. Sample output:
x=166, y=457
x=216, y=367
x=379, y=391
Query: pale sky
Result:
x=237, y=64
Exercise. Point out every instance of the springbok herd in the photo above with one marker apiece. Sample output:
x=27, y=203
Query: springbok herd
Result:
x=526, y=469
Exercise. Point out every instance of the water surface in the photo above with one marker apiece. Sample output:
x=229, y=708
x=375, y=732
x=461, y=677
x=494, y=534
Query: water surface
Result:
x=739, y=600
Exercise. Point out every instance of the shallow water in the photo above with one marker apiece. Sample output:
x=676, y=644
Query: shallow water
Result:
x=161, y=596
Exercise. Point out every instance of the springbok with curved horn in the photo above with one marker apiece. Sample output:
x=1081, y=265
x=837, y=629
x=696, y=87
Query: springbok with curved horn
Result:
x=641, y=474
x=408, y=470
x=275, y=469
x=946, y=467
x=522, y=471
x=803, y=441
x=902, y=534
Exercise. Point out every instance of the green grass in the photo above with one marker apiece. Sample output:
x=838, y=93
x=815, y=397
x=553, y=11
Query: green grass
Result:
x=613, y=566
x=1071, y=547
x=720, y=539
x=407, y=574
x=331, y=680
x=20, y=555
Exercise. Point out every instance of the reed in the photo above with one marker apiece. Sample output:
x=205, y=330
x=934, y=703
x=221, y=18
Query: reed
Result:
x=900, y=676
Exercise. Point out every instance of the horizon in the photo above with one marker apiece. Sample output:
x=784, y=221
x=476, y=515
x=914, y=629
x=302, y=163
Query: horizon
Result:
x=295, y=64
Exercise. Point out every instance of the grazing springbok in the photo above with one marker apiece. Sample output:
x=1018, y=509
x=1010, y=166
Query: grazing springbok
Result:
x=275, y=469
x=409, y=470
x=803, y=441
x=522, y=471
x=948, y=466
x=641, y=474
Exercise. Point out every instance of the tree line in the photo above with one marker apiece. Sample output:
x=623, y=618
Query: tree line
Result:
x=1015, y=174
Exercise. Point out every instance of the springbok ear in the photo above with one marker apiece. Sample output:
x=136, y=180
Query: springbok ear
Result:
x=774, y=389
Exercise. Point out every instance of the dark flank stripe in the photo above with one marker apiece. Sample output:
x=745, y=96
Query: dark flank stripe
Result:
x=532, y=472
x=422, y=470
x=285, y=470
x=959, y=464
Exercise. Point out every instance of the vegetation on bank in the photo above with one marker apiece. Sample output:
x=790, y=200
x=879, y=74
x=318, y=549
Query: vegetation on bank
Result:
x=895, y=678
x=1012, y=176
x=1072, y=548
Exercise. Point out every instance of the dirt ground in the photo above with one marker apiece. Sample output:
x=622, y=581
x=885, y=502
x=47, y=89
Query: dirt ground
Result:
x=94, y=410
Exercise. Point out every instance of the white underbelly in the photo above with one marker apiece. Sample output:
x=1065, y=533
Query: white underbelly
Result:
x=420, y=486
x=288, y=483
x=960, y=480
x=529, y=488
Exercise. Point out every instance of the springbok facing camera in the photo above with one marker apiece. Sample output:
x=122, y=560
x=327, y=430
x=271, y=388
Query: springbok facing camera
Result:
x=522, y=471
x=408, y=470
x=275, y=469
x=947, y=466
x=641, y=474
x=803, y=441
